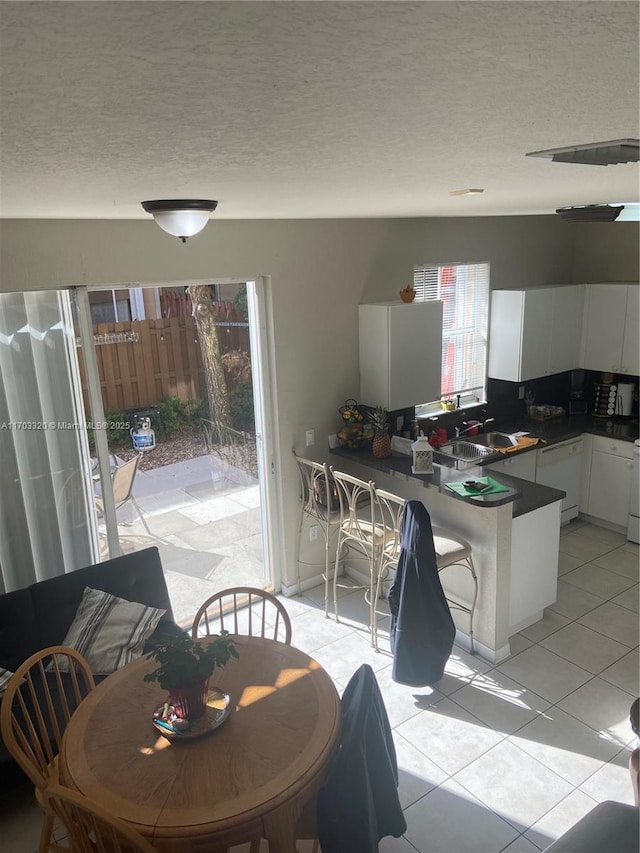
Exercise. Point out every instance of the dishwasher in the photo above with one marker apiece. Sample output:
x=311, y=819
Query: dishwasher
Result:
x=560, y=467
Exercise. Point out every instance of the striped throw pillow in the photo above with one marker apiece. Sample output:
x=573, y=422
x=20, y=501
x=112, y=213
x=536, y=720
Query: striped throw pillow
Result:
x=5, y=675
x=109, y=631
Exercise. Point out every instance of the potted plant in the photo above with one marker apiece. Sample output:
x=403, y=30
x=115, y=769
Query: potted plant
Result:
x=381, y=445
x=186, y=666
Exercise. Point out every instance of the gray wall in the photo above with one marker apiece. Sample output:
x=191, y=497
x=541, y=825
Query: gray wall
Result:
x=319, y=271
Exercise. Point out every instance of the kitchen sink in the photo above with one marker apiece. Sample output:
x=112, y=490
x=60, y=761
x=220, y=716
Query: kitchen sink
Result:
x=495, y=440
x=467, y=451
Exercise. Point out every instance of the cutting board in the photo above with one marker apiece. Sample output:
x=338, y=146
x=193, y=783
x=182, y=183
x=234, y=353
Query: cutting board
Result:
x=461, y=489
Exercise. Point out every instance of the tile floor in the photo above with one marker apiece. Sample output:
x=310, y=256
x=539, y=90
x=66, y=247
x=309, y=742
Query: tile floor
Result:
x=493, y=758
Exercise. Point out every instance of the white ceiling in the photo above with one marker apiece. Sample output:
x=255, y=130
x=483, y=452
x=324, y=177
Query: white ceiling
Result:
x=312, y=109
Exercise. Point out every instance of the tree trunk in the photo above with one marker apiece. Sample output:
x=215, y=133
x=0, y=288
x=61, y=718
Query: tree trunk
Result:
x=210, y=351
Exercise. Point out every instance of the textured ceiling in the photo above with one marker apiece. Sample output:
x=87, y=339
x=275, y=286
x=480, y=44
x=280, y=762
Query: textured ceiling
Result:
x=312, y=109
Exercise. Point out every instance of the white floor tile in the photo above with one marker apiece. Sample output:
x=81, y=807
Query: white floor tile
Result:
x=417, y=775
x=403, y=702
x=565, y=745
x=625, y=673
x=578, y=545
x=613, y=621
x=342, y=657
x=547, y=674
x=460, y=669
x=603, y=707
x=521, y=845
x=611, y=782
x=497, y=777
x=451, y=819
x=602, y=534
x=449, y=735
x=518, y=643
x=598, y=581
x=621, y=562
x=560, y=819
x=574, y=602
x=567, y=563
x=550, y=623
x=630, y=598
x=584, y=647
x=501, y=703
x=395, y=845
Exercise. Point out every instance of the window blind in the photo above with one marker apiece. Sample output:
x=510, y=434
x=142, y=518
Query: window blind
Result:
x=464, y=291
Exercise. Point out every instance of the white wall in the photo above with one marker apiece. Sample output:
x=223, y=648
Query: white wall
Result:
x=320, y=270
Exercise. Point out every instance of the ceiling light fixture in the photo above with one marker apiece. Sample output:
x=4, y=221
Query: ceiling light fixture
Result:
x=181, y=217
x=590, y=213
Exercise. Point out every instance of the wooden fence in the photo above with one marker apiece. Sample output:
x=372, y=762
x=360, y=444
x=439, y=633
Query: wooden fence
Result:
x=141, y=362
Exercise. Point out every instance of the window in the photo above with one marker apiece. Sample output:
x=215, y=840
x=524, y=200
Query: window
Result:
x=464, y=290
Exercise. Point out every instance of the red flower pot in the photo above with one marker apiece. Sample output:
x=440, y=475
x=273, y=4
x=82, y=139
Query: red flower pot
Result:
x=190, y=703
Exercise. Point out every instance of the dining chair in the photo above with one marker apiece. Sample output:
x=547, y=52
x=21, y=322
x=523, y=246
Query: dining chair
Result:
x=389, y=511
x=243, y=610
x=122, y=479
x=319, y=504
x=451, y=551
x=90, y=828
x=37, y=705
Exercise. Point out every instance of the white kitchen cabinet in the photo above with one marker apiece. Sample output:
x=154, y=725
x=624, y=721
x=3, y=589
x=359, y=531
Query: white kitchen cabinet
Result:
x=400, y=353
x=535, y=332
x=523, y=465
x=609, y=487
x=610, y=339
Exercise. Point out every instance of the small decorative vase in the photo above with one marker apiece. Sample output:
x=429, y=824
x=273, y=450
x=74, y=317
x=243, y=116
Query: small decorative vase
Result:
x=190, y=703
x=408, y=294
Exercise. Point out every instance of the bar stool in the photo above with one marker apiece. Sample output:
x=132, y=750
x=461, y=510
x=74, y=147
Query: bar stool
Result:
x=451, y=550
x=320, y=503
x=370, y=523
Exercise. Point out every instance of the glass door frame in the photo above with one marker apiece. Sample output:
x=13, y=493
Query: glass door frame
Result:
x=263, y=376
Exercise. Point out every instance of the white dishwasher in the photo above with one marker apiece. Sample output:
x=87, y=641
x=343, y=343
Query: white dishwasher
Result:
x=560, y=466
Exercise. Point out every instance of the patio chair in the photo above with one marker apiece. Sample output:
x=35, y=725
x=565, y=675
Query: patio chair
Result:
x=243, y=610
x=90, y=828
x=37, y=705
x=122, y=479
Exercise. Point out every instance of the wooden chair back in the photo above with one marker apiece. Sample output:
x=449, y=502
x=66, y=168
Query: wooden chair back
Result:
x=243, y=610
x=90, y=828
x=38, y=703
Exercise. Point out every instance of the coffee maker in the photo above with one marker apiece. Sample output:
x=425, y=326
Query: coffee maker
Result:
x=577, y=401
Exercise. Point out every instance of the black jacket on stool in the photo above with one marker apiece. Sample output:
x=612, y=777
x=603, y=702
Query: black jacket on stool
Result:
x=422, y=629
x=359, y=803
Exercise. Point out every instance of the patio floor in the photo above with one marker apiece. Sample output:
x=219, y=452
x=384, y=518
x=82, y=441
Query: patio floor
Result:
x=204, y=517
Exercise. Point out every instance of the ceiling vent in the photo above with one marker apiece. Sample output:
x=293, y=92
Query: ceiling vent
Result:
x=590, y=213
x=595, y=154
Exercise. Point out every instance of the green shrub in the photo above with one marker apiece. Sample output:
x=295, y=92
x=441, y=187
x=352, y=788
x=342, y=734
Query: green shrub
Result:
x=241, y=405
x=171, y=414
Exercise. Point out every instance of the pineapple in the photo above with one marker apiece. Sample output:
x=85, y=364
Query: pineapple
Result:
x=381, y=441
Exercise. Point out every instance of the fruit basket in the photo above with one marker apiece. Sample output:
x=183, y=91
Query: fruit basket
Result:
x=352, y=433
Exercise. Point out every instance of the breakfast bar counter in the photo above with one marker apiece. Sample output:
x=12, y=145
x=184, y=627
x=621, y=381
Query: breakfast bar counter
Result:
x=514, y=537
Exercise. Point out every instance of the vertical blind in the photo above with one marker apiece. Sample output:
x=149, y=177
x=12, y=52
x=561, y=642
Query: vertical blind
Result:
x=464, y=291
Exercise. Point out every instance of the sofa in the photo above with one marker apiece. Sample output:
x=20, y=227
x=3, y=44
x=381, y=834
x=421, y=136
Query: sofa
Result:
x=40, y=615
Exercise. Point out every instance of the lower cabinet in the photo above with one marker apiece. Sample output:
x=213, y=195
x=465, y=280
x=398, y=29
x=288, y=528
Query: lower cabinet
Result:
x=523, y=465
x=609, y=484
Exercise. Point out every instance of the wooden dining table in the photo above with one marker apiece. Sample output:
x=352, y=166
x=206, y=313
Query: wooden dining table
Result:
x=247, y=779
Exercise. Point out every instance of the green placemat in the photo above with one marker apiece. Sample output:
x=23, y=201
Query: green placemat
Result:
x=461, y=489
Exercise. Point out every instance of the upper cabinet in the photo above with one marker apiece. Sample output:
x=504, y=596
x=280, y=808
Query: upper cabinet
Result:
x=535, y=332
x=400, y=353
x=610, y=340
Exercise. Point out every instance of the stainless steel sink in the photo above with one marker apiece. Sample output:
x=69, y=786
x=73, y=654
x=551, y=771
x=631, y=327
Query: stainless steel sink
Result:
x=468, y=451
x=496, y=440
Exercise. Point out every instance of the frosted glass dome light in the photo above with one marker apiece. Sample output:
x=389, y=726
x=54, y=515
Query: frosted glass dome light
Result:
x=181, y=217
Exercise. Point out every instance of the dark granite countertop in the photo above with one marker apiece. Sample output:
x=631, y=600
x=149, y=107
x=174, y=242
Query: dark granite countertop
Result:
x=524, y=496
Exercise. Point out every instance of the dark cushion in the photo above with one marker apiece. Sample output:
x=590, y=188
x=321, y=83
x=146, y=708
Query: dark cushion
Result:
x=19, y=634
x=135, y=577
x=608, y=827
